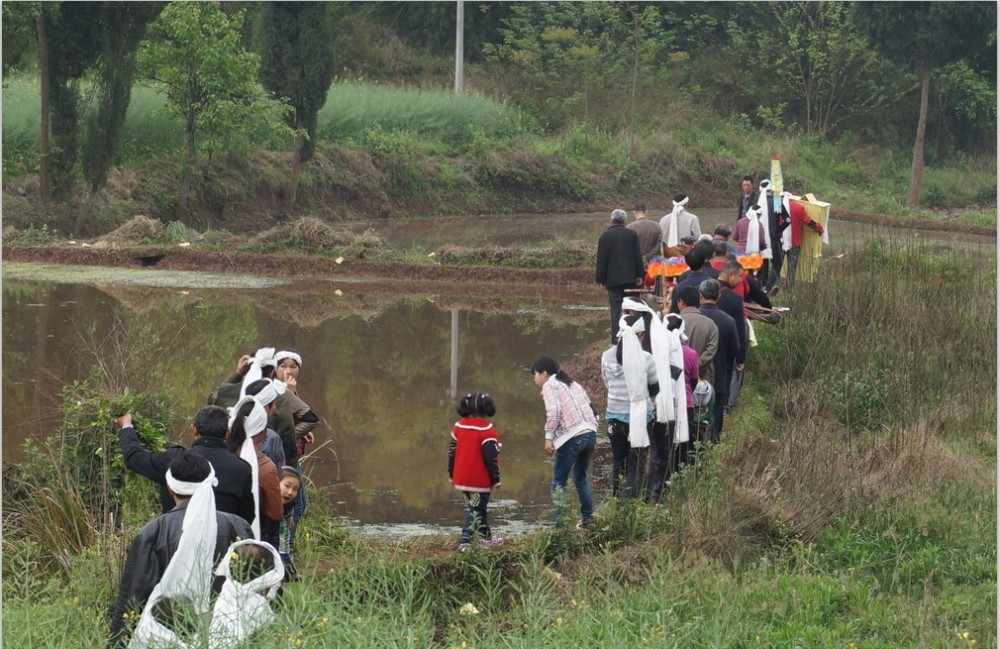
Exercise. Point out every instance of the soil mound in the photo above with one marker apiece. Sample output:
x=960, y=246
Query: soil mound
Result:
x=136, y=230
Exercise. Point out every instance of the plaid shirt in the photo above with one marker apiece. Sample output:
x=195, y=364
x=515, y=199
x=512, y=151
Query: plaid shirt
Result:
x=567, y=411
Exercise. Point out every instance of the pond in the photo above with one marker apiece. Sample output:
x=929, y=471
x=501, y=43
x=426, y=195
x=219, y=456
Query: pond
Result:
x=381, y=370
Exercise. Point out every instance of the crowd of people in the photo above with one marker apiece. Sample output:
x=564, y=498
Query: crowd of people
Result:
x=677, y=358
x=233, y=500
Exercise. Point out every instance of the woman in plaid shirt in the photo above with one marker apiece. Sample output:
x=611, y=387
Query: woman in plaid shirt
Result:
x=570, y=435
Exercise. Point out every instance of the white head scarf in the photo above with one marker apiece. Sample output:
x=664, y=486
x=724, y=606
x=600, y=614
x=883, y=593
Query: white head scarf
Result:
x=762, y=208
x=674, y=389
x=638, y=306
x=240, y=608
x=254, y=424
x=282, y=355
x=753, y=231
x=659, y=342
x=672, y=234
x=786, y=235
x=262, y=358
x=188, y=576
x=268, y=393
x=634, y=368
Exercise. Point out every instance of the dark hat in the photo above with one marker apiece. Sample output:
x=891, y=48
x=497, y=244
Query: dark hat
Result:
x=688, y=240
x=639, y=207
x=723, y=230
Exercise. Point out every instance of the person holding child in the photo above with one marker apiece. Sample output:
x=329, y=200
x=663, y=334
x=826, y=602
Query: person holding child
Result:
x=473, y=466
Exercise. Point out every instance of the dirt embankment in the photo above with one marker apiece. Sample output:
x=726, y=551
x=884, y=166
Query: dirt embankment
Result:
x=474, y=280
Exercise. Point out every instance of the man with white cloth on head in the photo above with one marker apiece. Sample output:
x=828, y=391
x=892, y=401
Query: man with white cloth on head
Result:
x=629, y=373
x=170, y=561
x=679, y=224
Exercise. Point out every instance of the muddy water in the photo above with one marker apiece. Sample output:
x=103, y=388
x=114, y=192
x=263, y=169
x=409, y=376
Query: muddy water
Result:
x=382, y=372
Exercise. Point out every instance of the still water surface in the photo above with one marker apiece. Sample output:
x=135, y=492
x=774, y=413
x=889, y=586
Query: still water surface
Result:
x=379, y=370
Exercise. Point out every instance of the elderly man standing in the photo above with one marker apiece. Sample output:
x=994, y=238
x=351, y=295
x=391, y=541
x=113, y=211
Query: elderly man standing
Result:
x=619, y=265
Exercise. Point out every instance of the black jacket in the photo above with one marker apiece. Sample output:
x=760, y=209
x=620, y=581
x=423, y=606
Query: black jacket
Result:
x=619, y=261
x=731, y=303
x=151, y=551
x=692, y=278
x=741, y=208
x=729, y=346
x=234, y=492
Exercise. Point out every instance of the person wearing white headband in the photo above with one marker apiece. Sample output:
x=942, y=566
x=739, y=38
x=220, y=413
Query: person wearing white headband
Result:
x=683, y=449
x=793, y=236
x=750, y=233
x=247, y=426
x=629, y=374
x=679, y=223
x=172, y=556
x=249, y=368
x=272, y=446
x=289, y=362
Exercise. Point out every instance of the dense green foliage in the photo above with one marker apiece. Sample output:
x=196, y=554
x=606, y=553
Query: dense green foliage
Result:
x=649, y=96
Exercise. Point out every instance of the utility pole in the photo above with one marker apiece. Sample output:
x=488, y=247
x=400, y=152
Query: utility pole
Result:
x=460, y=48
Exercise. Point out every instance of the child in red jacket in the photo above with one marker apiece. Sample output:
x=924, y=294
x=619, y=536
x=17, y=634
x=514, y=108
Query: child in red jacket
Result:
x=473, y=465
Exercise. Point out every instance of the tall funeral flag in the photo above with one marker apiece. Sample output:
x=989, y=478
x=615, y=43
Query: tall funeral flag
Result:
x=777, y=183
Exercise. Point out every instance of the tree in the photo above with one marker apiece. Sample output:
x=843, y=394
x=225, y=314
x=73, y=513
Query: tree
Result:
x=820, y=65
x=122, y=26
x=297, y=62
x=925, y=37
x=210, y=79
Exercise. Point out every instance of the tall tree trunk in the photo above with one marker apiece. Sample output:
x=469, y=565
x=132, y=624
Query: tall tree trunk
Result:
x=917, y=166
x=43, y=132
x=293, y=180
x=188, y=171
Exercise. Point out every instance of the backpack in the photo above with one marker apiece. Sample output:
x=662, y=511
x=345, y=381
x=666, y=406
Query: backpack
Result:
x=704, y=404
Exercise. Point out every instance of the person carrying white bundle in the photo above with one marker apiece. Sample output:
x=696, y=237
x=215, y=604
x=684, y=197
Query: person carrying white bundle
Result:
x=169, y=564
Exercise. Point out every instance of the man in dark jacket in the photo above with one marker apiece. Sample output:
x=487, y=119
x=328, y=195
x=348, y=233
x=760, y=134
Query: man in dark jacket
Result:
x=748, y=198
x=156, y=543
x=696, y=259
x=731, y=303
x=619, y=265
x=233, y=494
x=725, y=355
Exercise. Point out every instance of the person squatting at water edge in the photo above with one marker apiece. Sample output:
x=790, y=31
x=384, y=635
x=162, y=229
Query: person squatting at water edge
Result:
x=570, y=435
x=473, y=465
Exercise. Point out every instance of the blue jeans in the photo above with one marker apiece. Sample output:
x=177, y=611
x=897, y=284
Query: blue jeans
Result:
x=298, y=509
x=476, y=521
x=574, y=455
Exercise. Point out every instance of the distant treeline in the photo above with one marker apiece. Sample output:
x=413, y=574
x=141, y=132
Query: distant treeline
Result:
x=895, y=75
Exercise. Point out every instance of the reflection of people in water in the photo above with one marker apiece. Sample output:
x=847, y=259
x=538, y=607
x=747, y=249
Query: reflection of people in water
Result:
x=472, y=464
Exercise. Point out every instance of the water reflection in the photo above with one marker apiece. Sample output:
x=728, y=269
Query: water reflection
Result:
x=382, y=371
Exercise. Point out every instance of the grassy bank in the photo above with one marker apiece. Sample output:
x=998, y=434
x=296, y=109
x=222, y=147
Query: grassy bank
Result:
x=393, y=152
x=852, y=503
